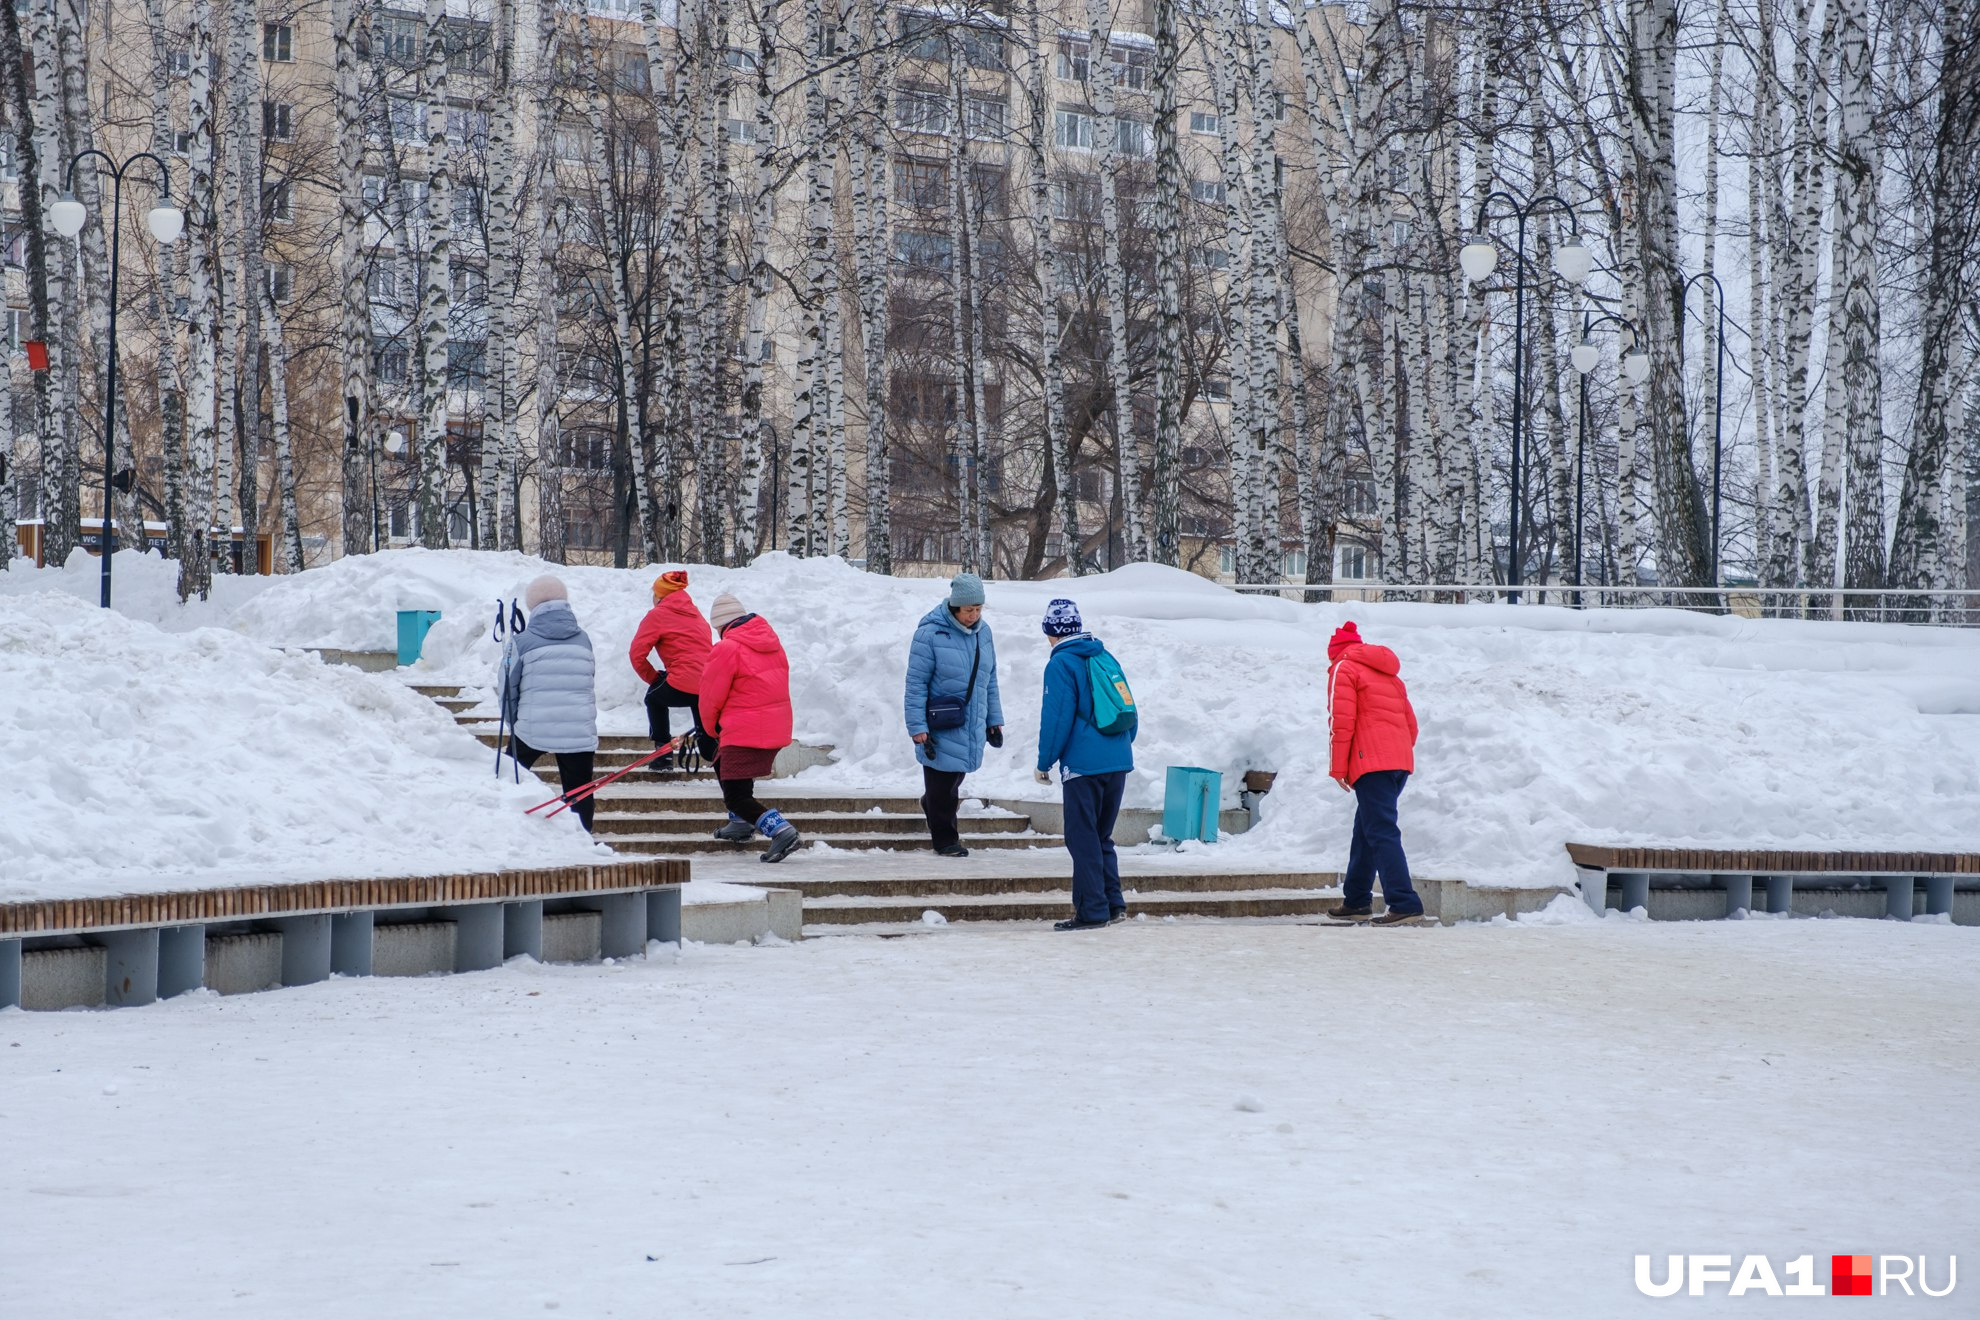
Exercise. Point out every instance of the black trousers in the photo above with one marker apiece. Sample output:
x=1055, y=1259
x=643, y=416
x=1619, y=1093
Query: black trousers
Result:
x=739, y=796
x=660, y=694
x=941, y=794
x=574, y=770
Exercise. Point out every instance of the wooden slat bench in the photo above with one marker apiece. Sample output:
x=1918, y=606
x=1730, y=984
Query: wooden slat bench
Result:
x=154, y=946
x=1636, y=870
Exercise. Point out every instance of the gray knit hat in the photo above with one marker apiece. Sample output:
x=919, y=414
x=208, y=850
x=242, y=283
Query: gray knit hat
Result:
x=543, y=590
x=965, y=589
x=725, y=611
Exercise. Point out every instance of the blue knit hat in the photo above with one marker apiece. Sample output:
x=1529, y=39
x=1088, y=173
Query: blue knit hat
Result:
x=1062, y=619
x=965, y=589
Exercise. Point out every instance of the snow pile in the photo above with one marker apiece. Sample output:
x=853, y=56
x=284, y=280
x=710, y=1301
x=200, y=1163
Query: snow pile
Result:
x=143, y=586
x=1540, y=724
x=137, y=759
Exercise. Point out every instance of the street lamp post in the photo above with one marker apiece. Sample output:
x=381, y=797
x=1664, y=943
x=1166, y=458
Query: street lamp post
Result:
x=1478, y=258
x=166, y=223
x=1718, y=396
x=1583, y=357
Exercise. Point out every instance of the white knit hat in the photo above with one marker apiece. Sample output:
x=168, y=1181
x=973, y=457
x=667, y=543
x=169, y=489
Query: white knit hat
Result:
x=546, y=588
x=725, y=611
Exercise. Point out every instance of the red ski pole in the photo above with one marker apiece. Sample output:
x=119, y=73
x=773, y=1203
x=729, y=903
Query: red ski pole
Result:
x=570, y=797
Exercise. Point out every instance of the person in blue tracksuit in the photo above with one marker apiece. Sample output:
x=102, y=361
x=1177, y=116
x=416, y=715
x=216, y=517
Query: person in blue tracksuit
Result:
x=549, y=690
x=1093, y=769
x=953, y=660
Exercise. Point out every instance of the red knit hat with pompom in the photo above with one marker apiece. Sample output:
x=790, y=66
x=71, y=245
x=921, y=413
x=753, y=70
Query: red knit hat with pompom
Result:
x=1345, y=636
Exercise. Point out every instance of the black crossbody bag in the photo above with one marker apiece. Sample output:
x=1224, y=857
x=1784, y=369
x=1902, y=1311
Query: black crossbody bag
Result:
x=951, y=712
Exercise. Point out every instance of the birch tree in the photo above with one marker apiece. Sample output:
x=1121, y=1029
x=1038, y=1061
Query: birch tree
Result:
x=1165, y=210
x=203, y=303
x=1127, y=446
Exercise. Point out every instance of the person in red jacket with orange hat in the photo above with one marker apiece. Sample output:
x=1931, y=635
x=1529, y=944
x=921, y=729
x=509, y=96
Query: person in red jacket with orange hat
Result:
x=674, y=628
x=1374, y=740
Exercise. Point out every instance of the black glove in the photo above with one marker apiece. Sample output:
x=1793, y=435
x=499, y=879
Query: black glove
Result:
x=995, y=735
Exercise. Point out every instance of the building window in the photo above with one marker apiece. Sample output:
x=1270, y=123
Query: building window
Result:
x=1073, y=130
x=466, y=364
x=1132, y=137
x=467, y=204
x=1195, y=456
x=925, y=399
x=588, y=450
x=281, y=202
x=178, y=62
x=988, y=120
x=278, y=42
x=921, y=251
x=1351, y=563
x=1293, y=564
x=400, y=34
x=921, y=183
x=1217, y=388
x=922, y=112
x=1226, y=561
x=922, y=35
x=1072, y=63
x=1208, y=191
x=405, y=118
x=470, y=286
x=1075, y=199
x=381, y=283
x=467, y=47
x=277, y=121
x=393, y=361
x=1203, y=121
x=1360, y=497
x=992, y=189
x=469, y=127
x=181, y=143
x=982, y=49
x=279, y=279
x=737, y=57
x=1131, y=68
x=1216, y=258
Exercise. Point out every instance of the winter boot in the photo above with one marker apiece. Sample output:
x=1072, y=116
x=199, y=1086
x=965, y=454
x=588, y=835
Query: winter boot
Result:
x=1395, y=918
x=1080, y=923
x=952, y=850
x=737, y=830
x=1342, y=912
x=664, y=765
x=782, y=834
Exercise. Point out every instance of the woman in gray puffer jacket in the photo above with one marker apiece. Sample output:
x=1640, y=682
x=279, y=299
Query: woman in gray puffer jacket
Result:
x=549, y=690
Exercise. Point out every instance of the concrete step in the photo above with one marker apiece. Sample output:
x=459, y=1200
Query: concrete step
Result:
x=637, y=744
x=437, y=691
x=644, y=777
x=966, y=878
x=637, y=793
x=1056, y=906
x=614, y=821
x=676, y=845
x=456, y=705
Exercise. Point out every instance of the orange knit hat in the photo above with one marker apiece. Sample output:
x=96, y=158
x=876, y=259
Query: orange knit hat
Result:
x=669, y=583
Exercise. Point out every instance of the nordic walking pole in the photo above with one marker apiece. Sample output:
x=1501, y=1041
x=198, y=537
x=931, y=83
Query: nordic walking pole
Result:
x=501, y=682
x=571, y=797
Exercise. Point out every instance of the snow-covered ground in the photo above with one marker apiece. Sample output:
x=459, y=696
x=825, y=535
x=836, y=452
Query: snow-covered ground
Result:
x=133, y=759
x=1540, y=724
x=1189, y=1120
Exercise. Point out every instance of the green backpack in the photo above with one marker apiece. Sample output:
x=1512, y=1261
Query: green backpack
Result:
x=1113, y=702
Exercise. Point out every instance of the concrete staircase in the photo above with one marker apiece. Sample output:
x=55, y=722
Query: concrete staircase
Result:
x=875, y=872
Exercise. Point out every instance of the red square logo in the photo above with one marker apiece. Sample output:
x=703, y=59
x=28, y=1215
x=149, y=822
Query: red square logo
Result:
x=1849, y=1276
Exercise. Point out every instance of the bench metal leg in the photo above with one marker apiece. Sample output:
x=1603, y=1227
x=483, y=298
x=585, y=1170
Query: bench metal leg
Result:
x=130, y=968
x=1780, y=893
x=1635, y=891
x=1900, y=892
x=1595, y=890
x=305, y=949
x=1938, y=898
x=477, y=936
x=181, y=960
x=663, y=915
x=1739, y=893
x=352, y=938
x=10, y=973
x=522, y=929
x=622, y=925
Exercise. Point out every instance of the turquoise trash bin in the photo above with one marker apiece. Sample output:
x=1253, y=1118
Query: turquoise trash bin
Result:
x=412, y=633
x=1189, y=803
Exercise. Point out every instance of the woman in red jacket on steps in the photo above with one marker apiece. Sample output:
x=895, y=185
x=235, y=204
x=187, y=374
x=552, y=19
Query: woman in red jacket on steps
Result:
x=674, y=628
x=746, y=703
x=1373, y=734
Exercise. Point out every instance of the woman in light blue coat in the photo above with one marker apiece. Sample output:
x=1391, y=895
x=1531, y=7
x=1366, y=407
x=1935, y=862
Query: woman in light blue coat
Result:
x=952, y=704
x=549, y=690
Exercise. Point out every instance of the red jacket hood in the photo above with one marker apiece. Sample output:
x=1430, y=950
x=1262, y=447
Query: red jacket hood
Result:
x=1378, y=658
x=754, y=633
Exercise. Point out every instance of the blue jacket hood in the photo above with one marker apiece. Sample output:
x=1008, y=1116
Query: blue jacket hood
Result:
x=555, y=621
x=1085, y=646
x=941, y=618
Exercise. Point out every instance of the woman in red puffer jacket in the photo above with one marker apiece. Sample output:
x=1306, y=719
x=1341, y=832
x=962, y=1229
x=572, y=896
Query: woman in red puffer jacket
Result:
x=1373, y=735
x=674, y=628
x=746, y=705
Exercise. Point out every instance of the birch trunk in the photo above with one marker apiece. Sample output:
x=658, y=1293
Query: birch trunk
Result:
x=234, y=48
x=551, y=535
x=1166, y=208
x=500, y=452
x=1856, y=214
x=61, y=460
x=870, y=220
x=291, y=557
x=359, y=525
x=1127, y=448
x=758, y=428
x=1795, y=545
x=808, y=405
x=434, y=245
x=196, y=568
x=1922, y=555
x=246, y=84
